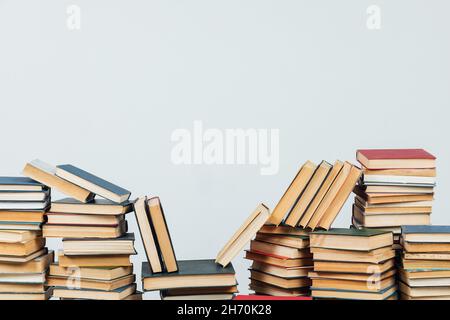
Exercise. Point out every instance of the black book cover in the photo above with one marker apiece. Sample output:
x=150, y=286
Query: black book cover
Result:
x=125, y=237
x=94, y=179
x=20, y=181
x=190, y=268
x=426, y=229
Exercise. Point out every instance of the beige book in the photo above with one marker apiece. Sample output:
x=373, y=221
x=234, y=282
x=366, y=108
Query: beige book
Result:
x=46, y=174
x=243, y=235
x=292, y=193
x=308, y=194
x=329, y=196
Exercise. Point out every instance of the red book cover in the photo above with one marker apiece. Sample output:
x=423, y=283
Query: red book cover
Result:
x=254, y=297
x=392, y=154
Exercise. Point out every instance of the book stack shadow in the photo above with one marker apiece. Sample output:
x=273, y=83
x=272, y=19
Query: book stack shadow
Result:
x=396, y=189
x=24, y=260
x=353, y=264
x=94, y=261
x=177, y=280
x=424, y=270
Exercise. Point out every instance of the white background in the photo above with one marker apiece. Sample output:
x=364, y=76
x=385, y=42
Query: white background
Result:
x=107, y=97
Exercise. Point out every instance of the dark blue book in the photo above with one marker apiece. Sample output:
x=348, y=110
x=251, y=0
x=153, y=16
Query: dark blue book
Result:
x=20, y=184
x=92, y=183
x=190, y=274
x=426, y=238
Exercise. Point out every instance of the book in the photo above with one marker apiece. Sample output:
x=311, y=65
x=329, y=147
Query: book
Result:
x=147, y=234
x=95, y=273
x=362, y=277
x=330, y=195
x=392, y=189
x=27, y=296
x=351, y=239
x=243, y=235
x=18, y=235
x=93, y=183
x=20, y=184
x=262, y=288
x=46, y=174
x=358, y=295
x=278, y=261
x=398, y=180
x=22, y=287
x=118, y=294
x=374, y=210
x=426, y=233
x=22, y=277
x=373, y=256
x=293, y=272
x=22, y=248
x=425, y=282
x=94, y=261
x=351, y=267
x=420, y=247
x=22, y=216
x=95, y=284
x=435, y=291
x=308, y=195
x=161, y=230
x=387, y=220
x=339, y=200
x=95, y=207
x=292, y=193
x=283, y=230
x=285, y=283
x=38, y=264
x=278, y=250
x=395, y=158
x=25, y=196
x=380, y=198
x=431, y=172
x=352, y=285
x=95, y=246
x=20, y=225
x=84, y=219
x=299, y=242
x=21, y=205
x=365, y=204
x=190, y=274
x=77, y=231
x=425, y=264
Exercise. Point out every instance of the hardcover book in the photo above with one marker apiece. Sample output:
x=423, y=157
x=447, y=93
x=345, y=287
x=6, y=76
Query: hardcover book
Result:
x=93, y=183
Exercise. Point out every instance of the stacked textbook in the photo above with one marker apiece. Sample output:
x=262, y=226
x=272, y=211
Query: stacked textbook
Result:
x=24, y=260
x=316, y=195
x=425, y=266
x=177, y=280
x=353, y=264
x=95, y=260
x=281, y=261
x=396, y=189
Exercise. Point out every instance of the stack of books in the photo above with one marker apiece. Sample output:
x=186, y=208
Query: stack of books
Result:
x=316, y=195
x=177, y=280
x=396, y=189
x=425, y=266
x=353, y=264
x=94, y=262
x=24, y=260
x=281, y=261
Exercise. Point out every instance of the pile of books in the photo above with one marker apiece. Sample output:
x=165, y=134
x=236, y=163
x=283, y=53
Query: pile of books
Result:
x=353, y=264
x=177, y=280
x=281, y=261
x=396, y=189
x=316, y=195
x=94, y=262
x=425, y=266
x=24, y=260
